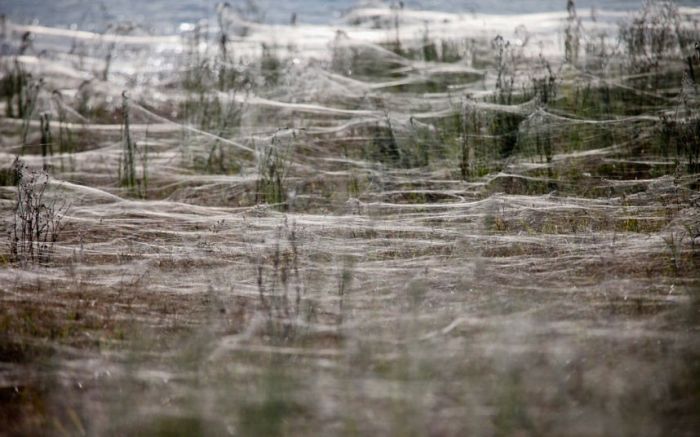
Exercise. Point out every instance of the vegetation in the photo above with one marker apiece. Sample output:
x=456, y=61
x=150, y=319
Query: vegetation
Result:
x=37, y=220
x=407, y=226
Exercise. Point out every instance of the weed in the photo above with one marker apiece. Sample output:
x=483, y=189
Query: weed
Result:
x=127, y=162
x=682, y=135
x=66, y=141
x=417, y=151
x=46, y=141
x=397, y=8
x=572, y=33
x=545, y=86
x=108, y=61
x=468, y=150
x=38, y=221
x=383, y=146
x=20, y=91
x=674, y=242
x=118, y=29
x=505, y=70
x=127, y=174
x=281, y=292
x=654, y=36
x=273, y=168
x=14, y=85
x=505, y=124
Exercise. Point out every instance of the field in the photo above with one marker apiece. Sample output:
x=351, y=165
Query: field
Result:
x=417, y=223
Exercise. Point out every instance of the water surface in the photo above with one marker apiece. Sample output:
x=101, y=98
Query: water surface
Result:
x=165, y=16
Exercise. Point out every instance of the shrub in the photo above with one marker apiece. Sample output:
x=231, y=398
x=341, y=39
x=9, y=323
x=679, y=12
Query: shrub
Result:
x=38, y=221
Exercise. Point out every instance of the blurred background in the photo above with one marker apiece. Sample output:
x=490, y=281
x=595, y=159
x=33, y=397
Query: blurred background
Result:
x=165, y=16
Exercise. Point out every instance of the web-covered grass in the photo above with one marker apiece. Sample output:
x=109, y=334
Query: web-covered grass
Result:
x=404, y=226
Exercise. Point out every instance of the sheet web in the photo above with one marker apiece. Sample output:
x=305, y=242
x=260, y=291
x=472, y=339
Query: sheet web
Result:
x=402, y=221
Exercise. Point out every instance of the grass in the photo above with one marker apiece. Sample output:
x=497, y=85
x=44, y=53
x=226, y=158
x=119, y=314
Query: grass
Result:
x=15, y=82
x=409, y=228
x=273, y=169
